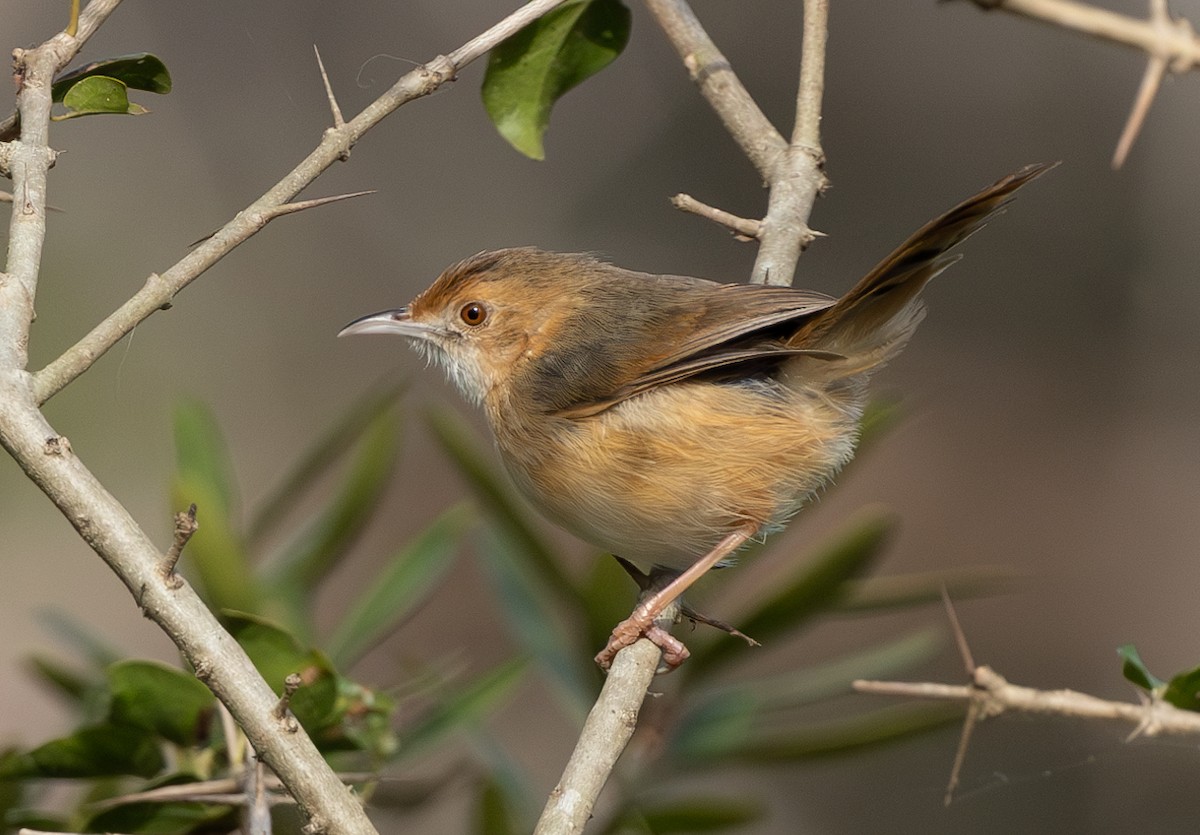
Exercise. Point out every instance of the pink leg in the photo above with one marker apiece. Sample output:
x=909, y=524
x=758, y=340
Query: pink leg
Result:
x=641, y=623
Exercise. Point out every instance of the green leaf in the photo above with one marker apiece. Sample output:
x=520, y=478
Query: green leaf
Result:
x=72, y=685
x=404, y=581
x=839, y=736
x=818, y=585
x=154, y=697
x=99, y=94
x=277, y=654
x=204, y=477
x=1183, y=690
x=155, y=818
x=306, y=474
x=530, y=71
x=492, y=814
x=1134, y=670
x=104, y=750
x=494, y=494
x=531, y=611
x=141, y=71
x=609, y=595
x=467, y=707
x=696, y=815
x=321, y=547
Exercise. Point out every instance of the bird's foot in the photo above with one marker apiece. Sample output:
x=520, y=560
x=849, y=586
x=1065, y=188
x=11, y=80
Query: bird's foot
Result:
x=641, y=624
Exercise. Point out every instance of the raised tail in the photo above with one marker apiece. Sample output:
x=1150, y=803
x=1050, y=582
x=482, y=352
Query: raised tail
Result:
x=872, y=322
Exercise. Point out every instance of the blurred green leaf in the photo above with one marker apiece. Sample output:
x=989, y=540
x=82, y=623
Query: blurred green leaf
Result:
x=466, y=707
x=103, y=750
x=609, y=594
x=400, y=585
x=492, y=815
x=537, y=622
x=154, y=818
x=530, y=71
x=494, y=494
x=141, y=71
x=71, y=684
x=320, y=457
x=901, y=591
x=1135, y=670
x=818, y=585
x=880, y=417
x=1183, y=690
x=688, y=815
x=98, y=94
x=521, y=798
x=82, y=638
x=323, y=544
x=838, y=736
x=204, y=476
x=277, y=654
x=154, y=697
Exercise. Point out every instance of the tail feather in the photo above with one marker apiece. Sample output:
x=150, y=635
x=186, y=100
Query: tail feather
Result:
x=872, y=322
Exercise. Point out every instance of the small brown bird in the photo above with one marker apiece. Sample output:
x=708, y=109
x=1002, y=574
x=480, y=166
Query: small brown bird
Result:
x=668, y=419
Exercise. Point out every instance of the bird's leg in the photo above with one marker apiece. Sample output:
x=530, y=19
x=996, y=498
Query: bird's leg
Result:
x=641, y=623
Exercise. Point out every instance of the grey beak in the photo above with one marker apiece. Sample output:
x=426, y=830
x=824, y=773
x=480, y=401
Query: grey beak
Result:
x=388, y=321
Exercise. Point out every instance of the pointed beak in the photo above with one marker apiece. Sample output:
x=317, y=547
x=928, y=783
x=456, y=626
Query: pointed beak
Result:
x=389, y=321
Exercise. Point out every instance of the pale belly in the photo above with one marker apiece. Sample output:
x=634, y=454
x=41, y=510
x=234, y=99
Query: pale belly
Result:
x=662, y=477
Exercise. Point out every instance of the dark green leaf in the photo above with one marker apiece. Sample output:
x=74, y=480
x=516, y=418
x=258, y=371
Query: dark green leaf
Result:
x=320, y=457
x=142, y=71
x=82, y=638
x=1134, y=670
x=95, y=751
x=400, y=585
x=840, y=736
x=1183, y=690
x=530, y=71
x=277, y=654
x=156, y=818
x=698, y=815
x=492, y=815
x=321, y=547
x=99, y=94
x=495, y=494
x=536, y=620
x=901, y=591
x=610, y=595
x=154, y=697
x=818, y=585
x=204, y=477
x=71, y=684
x=463, y=709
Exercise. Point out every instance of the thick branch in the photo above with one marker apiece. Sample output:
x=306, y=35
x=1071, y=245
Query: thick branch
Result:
x=337, y=141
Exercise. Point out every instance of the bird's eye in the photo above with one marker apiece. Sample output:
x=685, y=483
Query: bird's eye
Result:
x=473, y=314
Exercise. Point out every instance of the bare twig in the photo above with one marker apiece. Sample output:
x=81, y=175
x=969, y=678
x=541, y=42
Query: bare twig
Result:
x=799, y=177
x=159, y=289
x=185, y=527
x=1170, y=42
x=995, y=695
x=743, y=228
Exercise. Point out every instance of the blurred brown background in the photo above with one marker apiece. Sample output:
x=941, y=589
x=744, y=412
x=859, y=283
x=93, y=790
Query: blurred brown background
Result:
x=1051, y=395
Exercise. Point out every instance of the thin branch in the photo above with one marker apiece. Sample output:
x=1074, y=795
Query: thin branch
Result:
x=800, y=177
x=160, y=289
x=720, y=86
x=606, y=732
x=185, y=527
x=1170, y=42
x=995, y=695
x=743, y=228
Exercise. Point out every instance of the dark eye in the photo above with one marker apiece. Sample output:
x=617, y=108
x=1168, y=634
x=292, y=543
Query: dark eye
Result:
x=473, y=314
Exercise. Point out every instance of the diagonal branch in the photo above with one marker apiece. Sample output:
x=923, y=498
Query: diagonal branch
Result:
x=160, y=289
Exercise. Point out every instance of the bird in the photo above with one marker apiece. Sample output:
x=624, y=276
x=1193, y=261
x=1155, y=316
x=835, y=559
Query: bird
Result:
x=666, y=419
